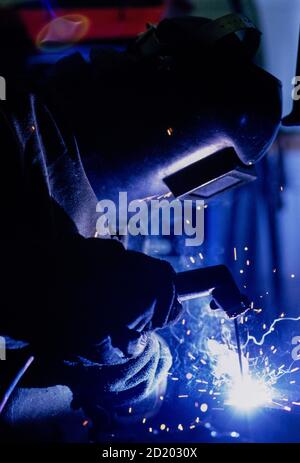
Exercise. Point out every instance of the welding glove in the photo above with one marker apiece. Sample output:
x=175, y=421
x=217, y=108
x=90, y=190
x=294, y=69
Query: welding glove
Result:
x=128, y=363
x=121, y=381
x=148, y=286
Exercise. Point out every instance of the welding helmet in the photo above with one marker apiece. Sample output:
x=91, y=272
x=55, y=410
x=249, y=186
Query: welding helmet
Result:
x=183, y=110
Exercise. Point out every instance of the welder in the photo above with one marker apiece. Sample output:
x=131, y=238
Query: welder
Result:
x=85, y=308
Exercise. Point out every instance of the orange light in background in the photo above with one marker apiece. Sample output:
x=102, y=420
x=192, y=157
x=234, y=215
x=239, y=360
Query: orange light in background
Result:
x=62, y=32
x=103, y=23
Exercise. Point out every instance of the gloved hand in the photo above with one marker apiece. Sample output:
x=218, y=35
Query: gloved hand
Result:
x=147, y=286
x=98, y=290
x=122, y=381
x=128, y=362
x=105, y=390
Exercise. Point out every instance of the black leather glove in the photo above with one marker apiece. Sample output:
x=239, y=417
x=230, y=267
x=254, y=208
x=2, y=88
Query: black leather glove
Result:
x=144, y=299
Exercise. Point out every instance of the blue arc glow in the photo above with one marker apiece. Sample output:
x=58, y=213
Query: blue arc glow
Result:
x=247, y=394
x=244, y=393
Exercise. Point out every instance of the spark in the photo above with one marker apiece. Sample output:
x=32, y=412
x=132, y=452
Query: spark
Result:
x=203, y=408
x=271, y=329
x=234, y=254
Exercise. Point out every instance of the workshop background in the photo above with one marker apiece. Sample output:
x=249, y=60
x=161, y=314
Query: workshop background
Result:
x=254, y=230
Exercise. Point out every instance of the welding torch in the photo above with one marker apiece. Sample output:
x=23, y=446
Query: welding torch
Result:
x=217, y=282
